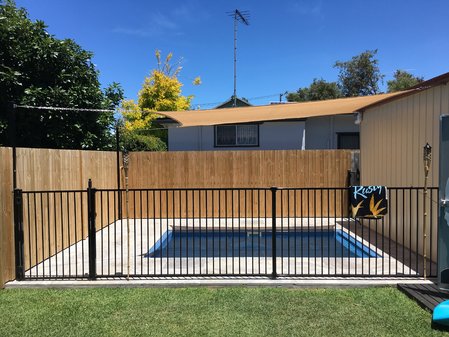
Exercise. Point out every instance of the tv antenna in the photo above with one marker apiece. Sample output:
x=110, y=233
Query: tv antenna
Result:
x=242, y=17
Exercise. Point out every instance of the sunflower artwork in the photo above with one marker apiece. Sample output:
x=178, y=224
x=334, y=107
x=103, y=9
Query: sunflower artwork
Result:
x=368, y=201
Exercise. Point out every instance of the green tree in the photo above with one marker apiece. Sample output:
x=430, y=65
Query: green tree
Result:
x=318, y=90
x=161, y=91
x=403, y=80
x=138, y=131
x=360, y=76
x=40, y=70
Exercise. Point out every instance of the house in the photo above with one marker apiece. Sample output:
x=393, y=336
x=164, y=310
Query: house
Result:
x=327, y=124
x=239, y=102
x=393, y=129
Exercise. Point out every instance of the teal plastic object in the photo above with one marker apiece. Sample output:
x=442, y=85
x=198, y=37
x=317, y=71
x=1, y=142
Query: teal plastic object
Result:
x=440, y=314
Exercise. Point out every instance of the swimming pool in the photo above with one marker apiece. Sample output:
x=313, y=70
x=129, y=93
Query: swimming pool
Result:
x=220, y=243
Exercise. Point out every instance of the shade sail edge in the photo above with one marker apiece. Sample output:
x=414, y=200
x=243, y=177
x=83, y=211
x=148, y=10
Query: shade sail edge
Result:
x=278, y=112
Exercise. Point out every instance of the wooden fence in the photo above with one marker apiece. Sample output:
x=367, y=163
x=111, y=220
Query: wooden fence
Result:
x=233, y=169
x=7, y=262
x=44, y=169
x=235, y=203
x=228, y=169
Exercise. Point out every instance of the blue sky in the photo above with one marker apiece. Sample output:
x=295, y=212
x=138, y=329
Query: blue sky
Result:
x=286, y=46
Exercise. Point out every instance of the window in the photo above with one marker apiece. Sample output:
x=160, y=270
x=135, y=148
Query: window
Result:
x=348, y=140
x=237, y=135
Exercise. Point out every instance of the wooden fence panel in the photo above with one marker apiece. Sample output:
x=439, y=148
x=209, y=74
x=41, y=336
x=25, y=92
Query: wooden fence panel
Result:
x=237, y=169
x=6, y=217
x=47, y=169
x=240, y=169
x=52, y=229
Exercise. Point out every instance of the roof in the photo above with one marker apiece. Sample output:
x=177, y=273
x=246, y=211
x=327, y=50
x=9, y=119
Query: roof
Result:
x=230, y=102
x=433, y=82
x=441, y=79
x=277, y=112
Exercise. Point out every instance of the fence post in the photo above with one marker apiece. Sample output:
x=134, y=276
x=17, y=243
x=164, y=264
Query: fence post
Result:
x=18, y=234
x=91, y=214
x=273, y=231
x=117, y=150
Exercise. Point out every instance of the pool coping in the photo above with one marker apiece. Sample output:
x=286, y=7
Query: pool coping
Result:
x=172, y=282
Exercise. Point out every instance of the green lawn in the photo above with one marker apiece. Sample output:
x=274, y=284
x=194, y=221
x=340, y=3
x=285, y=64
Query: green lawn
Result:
x=212, y=312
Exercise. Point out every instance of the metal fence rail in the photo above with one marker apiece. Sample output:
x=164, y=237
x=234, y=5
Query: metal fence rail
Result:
x=219, y=232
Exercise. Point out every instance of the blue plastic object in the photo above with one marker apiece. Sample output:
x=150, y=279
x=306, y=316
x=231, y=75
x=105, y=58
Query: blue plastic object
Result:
x=441, y=314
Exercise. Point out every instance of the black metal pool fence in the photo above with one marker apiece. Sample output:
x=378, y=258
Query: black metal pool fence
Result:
x=107, y=233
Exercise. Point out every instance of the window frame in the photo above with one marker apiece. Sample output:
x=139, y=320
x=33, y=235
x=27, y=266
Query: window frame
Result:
x=237, y=125
x=346, y=134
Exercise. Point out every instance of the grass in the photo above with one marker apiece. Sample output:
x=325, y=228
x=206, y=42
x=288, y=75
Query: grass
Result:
x=212, y=312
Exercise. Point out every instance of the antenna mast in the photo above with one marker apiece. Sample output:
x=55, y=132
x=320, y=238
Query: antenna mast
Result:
x=242, y=17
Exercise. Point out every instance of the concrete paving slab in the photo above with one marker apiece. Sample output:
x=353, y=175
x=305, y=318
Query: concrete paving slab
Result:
x=219, y=282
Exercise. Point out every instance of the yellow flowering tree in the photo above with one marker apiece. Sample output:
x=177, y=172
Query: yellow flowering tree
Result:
x=161, y=91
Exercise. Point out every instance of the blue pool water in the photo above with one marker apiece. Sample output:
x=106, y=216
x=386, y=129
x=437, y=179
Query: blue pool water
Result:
x=254, y=244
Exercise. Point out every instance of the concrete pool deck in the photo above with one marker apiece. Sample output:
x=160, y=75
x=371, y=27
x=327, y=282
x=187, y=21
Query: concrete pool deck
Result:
x=176, y=282
x=112, y=253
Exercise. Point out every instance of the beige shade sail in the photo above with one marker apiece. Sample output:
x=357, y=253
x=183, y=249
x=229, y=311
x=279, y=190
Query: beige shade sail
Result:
x=277, y=112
